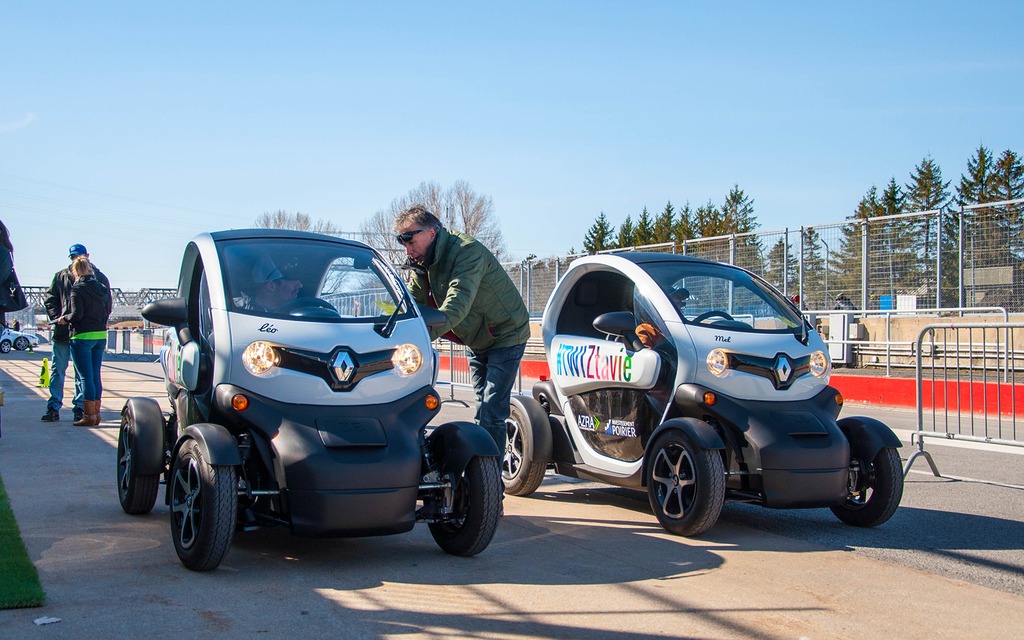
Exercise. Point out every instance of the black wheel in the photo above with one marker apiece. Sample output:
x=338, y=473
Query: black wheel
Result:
x=714, y=313
x=21, y=343
x=875, y=491
x=477, y=506
x=520, y=471
x=137, y=493
x=685, y=484
x=5, y=346
x=204, y=505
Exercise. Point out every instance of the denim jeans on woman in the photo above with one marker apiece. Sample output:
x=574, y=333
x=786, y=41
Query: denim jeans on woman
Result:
x=493, y=373
x=88, y=355
x=58, y=371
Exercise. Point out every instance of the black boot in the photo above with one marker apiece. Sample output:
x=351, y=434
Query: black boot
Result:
x=51, y=415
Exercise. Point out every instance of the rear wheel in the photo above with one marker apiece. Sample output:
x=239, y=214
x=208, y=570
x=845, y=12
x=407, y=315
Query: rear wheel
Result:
x=137, y=493
x=5, y=346
x=875, y=491
x=21, y=343
x=476, y=508
x=685, y=484
x=521, y=473
x=204, y=505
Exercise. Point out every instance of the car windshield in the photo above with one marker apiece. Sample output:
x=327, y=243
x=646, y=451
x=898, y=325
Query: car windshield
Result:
x=309, y=279
x=724, y=297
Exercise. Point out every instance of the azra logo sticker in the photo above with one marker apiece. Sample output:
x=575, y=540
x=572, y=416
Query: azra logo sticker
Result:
x=589, y=423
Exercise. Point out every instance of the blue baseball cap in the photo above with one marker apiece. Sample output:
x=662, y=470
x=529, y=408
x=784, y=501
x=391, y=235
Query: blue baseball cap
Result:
x=77, y=250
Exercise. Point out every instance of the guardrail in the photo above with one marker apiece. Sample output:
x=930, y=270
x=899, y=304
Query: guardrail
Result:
x=861, y=349
x=970, y=385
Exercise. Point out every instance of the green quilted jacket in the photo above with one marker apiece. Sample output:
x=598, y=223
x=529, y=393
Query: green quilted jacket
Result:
x=482, y=306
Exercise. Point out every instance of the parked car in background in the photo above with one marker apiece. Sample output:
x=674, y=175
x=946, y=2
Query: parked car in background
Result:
x=11, y=339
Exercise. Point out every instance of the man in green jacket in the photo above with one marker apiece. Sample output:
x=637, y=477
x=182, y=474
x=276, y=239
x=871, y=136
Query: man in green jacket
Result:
x=456, y=274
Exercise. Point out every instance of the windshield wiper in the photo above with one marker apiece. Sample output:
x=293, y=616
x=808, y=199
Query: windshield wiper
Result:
x=385, y=330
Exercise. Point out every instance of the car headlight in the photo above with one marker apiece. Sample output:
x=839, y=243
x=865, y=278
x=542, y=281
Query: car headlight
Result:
x=407, y=359
x=819, y=364
x=718, y=362
x=260, y=357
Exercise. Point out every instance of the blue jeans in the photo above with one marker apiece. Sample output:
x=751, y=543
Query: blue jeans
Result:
x=88, y=356
x=493, y=373
x=58, y=370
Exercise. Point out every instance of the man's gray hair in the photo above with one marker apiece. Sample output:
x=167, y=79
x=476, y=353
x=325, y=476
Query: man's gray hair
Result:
x=417, y=215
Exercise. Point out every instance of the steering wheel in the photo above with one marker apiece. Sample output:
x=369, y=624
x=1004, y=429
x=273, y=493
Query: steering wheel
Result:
x=711, y=314
x=308, y=306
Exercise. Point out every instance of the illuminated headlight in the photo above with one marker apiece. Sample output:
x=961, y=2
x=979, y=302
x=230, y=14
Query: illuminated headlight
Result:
x=819, y=363
x=407, y=359
x=718, y=362
x=260, y=357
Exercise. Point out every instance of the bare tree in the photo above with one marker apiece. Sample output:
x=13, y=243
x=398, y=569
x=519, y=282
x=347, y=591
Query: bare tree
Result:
x=297, y=221
x=459, y=207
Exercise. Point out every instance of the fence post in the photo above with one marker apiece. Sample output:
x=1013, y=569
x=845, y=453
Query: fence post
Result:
x=938, y=260
x=864, y=265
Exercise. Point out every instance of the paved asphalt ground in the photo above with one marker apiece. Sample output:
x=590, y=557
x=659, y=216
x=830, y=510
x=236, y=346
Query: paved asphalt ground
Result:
x=576, y=560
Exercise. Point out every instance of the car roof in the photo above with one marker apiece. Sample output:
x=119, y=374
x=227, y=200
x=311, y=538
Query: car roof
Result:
x=643, y=257
x=289, y=234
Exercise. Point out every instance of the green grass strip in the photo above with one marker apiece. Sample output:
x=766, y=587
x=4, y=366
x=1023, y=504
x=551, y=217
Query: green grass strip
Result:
x=19, y=581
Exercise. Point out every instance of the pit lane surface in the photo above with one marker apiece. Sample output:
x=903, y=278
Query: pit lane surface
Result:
x=575, y=560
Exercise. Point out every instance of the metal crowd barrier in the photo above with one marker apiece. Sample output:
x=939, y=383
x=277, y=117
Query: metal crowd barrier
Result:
x=970, y=385
x=131, y=341
x=454, y=369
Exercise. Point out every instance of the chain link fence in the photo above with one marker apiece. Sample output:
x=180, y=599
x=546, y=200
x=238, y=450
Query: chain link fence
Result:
x=969, y=257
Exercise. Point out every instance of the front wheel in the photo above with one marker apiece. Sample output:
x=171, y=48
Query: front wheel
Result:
x=21, y=343
x=476, y=508
x=136, y=492
x=875, y=491
x=685, y=484
x=521, y=472
x=204, y=505
x=5, y=346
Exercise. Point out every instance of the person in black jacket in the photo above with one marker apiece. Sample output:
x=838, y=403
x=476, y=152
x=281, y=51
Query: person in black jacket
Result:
x=57, y=303
x=90, y=308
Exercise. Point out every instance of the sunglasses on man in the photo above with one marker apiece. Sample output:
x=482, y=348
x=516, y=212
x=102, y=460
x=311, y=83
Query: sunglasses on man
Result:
x=406, y=237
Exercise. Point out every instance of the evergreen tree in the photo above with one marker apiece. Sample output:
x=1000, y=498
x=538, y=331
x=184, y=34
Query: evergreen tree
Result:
x=925, y=192
x=683, y=229
x=643, y=233
x=780, y=268
x=816, y=294
x=738, y=216
x=1008, y=184
x=738, y=212
x=626, y=234
x=846, y=260
x=664, y=224
x=977, y=186
x=600, y=235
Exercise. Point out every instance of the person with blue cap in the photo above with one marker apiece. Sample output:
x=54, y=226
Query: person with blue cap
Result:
x=58, y=303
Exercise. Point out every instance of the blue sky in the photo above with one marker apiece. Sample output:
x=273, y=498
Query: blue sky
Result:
x=132, y=126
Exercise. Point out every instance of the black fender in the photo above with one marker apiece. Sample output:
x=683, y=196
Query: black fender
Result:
x=148, y=419
x=699, y=431
x=867, y=437
x=454, y=444
x=540, y=427
x=219, y=447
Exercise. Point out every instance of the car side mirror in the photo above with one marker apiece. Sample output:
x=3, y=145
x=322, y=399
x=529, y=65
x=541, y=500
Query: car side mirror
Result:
x=431, y=316
x=170, y=312
x=621, y=324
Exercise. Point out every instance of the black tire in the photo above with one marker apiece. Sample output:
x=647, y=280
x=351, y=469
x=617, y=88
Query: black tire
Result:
x=477, y=507
x=5, y=346
x=685, y=484
x=21, y=343
x=874, y=498
x=520, y=471
x=137, y=493
x=204, y=505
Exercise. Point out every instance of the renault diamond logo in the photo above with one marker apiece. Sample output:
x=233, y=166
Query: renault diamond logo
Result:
x=783, y=368
x=343, y=366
